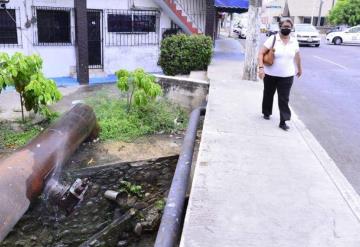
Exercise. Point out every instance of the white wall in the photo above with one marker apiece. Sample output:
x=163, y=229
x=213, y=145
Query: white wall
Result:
x=130, y=58
x=59, y=61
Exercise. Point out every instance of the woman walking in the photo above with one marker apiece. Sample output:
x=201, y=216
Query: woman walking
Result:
x=280, y=75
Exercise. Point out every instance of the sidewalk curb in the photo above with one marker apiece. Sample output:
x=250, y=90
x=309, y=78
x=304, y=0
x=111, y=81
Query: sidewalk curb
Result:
x=346, y=190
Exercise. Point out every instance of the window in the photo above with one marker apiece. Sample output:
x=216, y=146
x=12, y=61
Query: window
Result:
x=307, y=20
x=120, y=23
x=8, y=31
x=53, y=26
x=354, y=30
x=144, y=23
x=131, y=27
x=131, y=23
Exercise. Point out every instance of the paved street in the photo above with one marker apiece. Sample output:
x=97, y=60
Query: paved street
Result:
x=327, y=100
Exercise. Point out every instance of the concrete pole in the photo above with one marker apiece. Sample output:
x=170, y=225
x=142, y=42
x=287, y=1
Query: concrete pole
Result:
x=319, y=16
x=82, y=52
x=312, y=12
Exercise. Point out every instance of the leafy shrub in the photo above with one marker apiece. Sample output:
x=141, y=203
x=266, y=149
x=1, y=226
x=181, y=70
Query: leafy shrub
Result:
x=138, y=85
x=181, y=54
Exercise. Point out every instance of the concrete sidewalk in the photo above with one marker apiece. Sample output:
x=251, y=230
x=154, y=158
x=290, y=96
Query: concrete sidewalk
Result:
x=257, y=185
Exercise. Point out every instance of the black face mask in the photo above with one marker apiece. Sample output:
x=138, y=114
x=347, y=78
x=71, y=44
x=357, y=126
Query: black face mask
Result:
x=285, y=31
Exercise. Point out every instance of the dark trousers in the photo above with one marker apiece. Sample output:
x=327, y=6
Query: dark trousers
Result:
x=282, y=85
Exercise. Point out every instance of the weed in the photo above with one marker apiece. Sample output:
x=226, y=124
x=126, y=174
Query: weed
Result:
x=131, y=189
x=117, y=124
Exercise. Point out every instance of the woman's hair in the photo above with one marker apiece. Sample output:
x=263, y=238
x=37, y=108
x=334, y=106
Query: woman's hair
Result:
x=286, y=19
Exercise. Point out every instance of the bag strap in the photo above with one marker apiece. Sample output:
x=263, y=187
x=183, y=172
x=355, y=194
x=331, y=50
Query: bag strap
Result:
x=273, y=44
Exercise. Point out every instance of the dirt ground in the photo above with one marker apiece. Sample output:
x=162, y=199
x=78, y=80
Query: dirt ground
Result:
x=149, y=147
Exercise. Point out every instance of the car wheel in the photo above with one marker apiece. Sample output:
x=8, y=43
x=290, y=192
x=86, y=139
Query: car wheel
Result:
x=337, y=41
x=317, y=45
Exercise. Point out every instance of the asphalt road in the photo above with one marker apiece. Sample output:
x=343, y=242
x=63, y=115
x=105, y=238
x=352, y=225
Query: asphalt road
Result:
x=327, y=100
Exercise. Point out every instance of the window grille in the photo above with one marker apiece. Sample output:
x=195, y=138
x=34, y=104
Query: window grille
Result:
x=10, y=27
x=53, y=26
x=131, y=27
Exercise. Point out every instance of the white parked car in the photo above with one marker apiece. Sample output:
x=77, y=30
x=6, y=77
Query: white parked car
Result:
x=307, y=34
x=350, y=36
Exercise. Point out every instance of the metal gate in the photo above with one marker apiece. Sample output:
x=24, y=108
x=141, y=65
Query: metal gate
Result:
x=95, y=45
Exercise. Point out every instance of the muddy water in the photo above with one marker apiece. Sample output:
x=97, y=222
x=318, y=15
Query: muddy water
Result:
x=47, y=225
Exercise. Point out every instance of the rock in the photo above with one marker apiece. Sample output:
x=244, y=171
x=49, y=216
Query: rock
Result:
x=93, y=243
x=94, y=190
x=138, y=229
x=140, y=205
x=29, y=227
x=131, y=201
x=102, y=225
x=21, y=243
x=152, y=220
x=64, y=233
x=122, y=243
x=16, y=127
x=147, y=194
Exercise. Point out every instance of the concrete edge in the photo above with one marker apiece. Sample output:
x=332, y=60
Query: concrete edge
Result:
x=346, y=190
x=203, y=82
x=197, y=164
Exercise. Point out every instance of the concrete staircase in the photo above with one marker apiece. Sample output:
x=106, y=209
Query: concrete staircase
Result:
x=188, y=14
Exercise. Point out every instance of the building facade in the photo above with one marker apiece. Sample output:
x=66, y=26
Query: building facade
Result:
x=305, y=11
x=76, y=36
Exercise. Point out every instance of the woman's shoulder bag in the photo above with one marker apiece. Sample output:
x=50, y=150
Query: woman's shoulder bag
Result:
x=269, y=55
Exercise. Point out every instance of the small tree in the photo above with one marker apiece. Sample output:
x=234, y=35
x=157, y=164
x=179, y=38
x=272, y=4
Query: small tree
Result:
x=24, y=73
x=345, y=12
x=140, y=87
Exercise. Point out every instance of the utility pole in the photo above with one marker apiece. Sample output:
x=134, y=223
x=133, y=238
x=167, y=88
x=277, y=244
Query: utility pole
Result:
x=252, y=41
x=312, y=12
x=319, y=16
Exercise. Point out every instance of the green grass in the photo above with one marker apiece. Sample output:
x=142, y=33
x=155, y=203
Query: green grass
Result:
x=10, y=138
x=116, y=124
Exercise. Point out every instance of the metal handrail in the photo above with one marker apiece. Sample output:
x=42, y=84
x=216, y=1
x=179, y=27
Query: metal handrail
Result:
x=194, y=18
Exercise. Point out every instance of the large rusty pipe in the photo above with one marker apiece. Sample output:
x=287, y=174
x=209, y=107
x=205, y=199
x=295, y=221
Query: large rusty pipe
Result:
x=23, y=174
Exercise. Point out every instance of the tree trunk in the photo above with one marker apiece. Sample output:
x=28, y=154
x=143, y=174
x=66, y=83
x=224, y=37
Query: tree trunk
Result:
x=252, y=41
x=22, y=108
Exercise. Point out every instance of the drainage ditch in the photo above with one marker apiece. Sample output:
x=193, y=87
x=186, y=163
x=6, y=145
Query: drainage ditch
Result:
x=97, y=221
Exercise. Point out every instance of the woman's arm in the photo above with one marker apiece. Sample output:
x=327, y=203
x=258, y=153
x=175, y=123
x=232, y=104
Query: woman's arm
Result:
x=298, y=64
x=262, y=51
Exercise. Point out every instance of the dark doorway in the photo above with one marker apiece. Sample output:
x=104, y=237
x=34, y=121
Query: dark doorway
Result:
x=94, y=39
